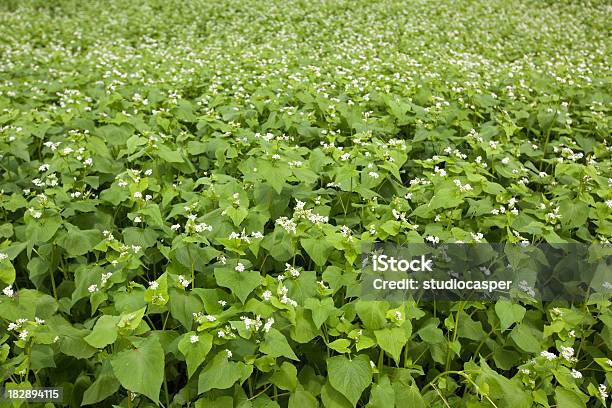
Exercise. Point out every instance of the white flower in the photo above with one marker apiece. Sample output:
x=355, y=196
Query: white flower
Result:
x=373, y=174
x=549, y=356
x=372, y=364
x=106, y=277
x=92, y=288
x=433, y=239
x=211, y=318
x=609, y=362
x=268, y=324
x=267, y=295
x=148, y=172
x=43, y=167
x=194, y=339
x=602, y=391
x=505, y=160
x=567, y=352
x=175, y=227
x=229, y=353
x=609, y=203
x=221, y=334
x=239, y=267
x=440, y=171
x=153, y=285
x=294, y=272
x=23, y=335
x=222, y=303
x=287, y=224
x=477, y=237
x=576, y=374
x=202, y=227
x=184, y=282
x=3, y=256
x=8, y=291
x=524, y=286
x=137, y=219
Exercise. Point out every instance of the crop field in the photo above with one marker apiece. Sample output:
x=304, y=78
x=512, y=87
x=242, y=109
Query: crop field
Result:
x=189, y=190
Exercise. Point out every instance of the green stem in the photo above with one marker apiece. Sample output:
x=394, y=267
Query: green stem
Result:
x=166, y=391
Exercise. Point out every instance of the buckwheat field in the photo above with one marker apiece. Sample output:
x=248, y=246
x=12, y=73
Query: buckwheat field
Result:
x=186, y=189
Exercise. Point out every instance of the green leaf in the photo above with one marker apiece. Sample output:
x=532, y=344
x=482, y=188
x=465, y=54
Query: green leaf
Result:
x=350, y=377
x=508, y=392
x=6, y=230
x=170, y=156
x=382, y=394
x=131, y=320
x=141, y=370
x=240, y=283
x=237, y=214
x=509, y=313
x=42, y=229
x=573, y=213
x=372, y=313
x=183, y=305
x=568, y=398
x=285, y=377
x=526, y=338
x=7, y=271
x=144, y=238
x=105, y=385
x=78, y=242
x=104, y=332
x=276, y=345
x=332, y=398
x=321, y=309
x=274, y=174
x=340, y=345
x=222, y=374
x=302, y=399
x=317, y=249
x=195, y=352
x=408, y=396
x=430, y=333
x=392, y=341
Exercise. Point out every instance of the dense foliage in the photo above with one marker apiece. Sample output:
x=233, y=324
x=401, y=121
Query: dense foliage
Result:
x=186, y=186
